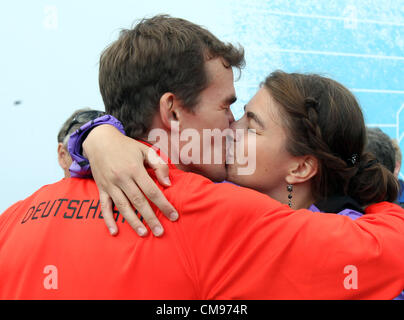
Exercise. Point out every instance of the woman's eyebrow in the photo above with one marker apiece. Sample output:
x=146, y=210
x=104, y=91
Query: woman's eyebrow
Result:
x=252, y=116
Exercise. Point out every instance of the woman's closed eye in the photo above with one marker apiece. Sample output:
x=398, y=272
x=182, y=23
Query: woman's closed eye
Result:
x=251, y=130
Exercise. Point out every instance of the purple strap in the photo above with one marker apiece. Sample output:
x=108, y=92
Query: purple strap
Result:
x=346, y=212
x=80, y=167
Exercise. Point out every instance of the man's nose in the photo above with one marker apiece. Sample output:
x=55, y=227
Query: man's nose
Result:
x=236, y=124
x=231, y=117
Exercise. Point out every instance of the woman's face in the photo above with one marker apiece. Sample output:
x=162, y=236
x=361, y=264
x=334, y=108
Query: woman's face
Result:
x=263, y=122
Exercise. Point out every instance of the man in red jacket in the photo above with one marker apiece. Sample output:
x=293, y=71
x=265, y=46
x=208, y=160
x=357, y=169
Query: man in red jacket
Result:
x=230, y=242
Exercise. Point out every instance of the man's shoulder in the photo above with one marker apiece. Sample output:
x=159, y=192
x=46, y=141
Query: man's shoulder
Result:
x=61, y=188
x=199, y=193
x=66, y=187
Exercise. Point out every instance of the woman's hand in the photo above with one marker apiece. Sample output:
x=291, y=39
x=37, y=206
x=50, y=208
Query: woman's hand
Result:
x=118, y=167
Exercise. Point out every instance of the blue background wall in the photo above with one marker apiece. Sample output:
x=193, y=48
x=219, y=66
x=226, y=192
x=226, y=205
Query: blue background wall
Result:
x=49, y=62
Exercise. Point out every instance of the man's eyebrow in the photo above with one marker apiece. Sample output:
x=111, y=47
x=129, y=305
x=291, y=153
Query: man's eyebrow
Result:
x=253, y=116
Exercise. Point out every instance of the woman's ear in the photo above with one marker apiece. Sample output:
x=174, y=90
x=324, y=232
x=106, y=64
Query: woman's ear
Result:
x=302, y=169
x=169, y=110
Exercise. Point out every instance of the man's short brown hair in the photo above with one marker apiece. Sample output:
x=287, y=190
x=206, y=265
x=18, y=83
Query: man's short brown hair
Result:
x=160, y=54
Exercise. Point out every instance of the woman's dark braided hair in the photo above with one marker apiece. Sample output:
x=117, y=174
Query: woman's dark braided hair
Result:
x=322, y=118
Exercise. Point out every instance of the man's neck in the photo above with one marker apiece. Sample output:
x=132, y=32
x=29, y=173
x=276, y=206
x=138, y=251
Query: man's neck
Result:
x=168, y=145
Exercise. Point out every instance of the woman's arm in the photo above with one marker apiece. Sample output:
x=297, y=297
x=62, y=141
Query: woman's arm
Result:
x=118, y=167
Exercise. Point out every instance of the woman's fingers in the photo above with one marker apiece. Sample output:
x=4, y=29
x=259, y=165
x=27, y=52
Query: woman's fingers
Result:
x=159, y=166
x=125, y=209
x=107, y=213
x=141, y=204
x=118, y=167
x=150, y=189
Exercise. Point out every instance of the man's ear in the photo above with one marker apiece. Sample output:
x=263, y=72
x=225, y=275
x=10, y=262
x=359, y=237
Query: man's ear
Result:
x=302, y=169
x=170, y=110
x=62, y=153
